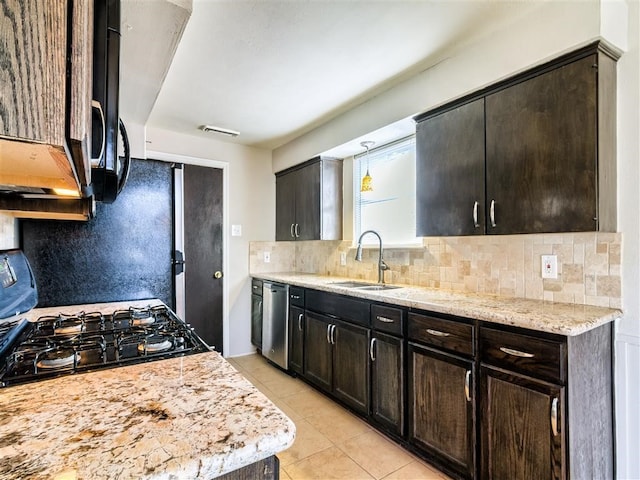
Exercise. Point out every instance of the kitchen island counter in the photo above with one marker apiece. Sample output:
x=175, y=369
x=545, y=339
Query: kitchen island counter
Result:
x=187, y=417
x=551, y=317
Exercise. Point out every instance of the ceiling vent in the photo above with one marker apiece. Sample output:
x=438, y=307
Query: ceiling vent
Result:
x=222, y=131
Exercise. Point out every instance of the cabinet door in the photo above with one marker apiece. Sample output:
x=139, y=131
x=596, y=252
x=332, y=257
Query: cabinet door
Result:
x=351, y=365
x=256, y=320
x=450, y=172
x=308, y=202
x=541, y=152
x=318, y=350
x=387, y=382
x=296, y=339
x=522, y=428
x=285, y=206
x=441, y=407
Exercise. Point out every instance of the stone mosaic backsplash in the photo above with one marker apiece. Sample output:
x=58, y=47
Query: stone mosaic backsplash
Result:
x=509, y=266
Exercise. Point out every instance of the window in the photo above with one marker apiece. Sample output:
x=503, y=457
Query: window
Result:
x=390, y=208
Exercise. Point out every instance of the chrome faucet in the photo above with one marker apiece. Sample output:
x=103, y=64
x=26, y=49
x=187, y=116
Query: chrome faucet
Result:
x=381, y=265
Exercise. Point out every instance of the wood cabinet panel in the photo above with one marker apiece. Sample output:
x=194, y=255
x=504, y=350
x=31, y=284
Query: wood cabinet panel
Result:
x=541, y=141
x=520, y=440
x=453, y=336
x=441, y=407
x=351, y=365
x=338, y=306
x=285, y=207
x=318, y=358
x=387, y=319
x=308, y=184
x=450, y=172
x=387, y=382
x=296, y=339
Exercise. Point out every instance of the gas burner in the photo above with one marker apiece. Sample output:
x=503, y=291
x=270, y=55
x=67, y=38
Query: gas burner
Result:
x=69, y=326
x=138, y=320
x=57, y=359
x=155, y=344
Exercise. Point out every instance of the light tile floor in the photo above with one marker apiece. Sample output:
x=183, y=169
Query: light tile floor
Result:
x=331, y=442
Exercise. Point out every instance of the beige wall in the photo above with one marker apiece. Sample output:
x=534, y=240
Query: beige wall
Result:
x=8, y=232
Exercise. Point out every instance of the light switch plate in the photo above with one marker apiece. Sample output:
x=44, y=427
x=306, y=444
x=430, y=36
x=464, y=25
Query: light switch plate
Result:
x=549, y=267
x=267, y=257
x=343, y=258
x=236, y=230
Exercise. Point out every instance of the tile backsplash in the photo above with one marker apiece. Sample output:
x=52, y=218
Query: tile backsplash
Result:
x=510, y=266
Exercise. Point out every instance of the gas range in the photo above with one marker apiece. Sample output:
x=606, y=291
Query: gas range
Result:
x=69, y=343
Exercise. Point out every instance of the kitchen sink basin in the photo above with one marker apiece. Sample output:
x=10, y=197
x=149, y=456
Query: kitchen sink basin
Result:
x=364, y=285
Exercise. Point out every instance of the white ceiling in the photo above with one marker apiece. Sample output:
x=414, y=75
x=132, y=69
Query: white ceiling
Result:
x=275, y=69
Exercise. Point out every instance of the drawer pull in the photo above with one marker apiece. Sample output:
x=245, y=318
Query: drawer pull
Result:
x=384, y=319
x=437, y=333
x=516, y=353
x=295, y=297
x=554, y=417
x=467, y=385
x=371, y=351
x=255, y=287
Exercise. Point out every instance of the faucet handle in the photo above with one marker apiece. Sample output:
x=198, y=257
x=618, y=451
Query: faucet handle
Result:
x=383, y=265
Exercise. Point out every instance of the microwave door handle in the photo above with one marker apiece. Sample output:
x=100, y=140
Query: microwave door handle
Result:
x=127, y=156
x=97, y=106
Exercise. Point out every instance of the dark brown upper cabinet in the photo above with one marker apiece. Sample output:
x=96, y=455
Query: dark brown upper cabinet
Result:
x=309, y=201
x=532, y=154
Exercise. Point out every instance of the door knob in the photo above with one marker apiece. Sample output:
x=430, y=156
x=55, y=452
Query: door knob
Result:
x=217, y=275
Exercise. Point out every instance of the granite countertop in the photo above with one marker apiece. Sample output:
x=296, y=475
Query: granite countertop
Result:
x=185, y=417
x=560, y=318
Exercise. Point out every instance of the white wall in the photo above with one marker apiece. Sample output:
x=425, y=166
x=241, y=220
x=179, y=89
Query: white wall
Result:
x=545, y=32
x=251, y=203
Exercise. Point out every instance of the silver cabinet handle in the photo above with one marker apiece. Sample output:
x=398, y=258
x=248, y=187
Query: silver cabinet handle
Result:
x=554, y=417
x=371, y=346
x=297, y=230
x=493, y=213
x=333, y=334
x=516, y=353
x=328, y=333
x=384, y=319
x=260, y=305
x=467, y=385
x=295, y=297
x=300, y=316
x=437, y=333
x=255, y=287
x=475, y=214
x=291, y=229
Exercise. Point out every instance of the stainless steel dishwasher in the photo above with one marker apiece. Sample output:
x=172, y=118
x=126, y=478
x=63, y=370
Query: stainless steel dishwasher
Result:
x=275, y=323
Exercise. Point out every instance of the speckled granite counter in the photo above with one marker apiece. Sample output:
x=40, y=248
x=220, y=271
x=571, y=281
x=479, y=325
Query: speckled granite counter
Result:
x=186, y=417
x=560, y=318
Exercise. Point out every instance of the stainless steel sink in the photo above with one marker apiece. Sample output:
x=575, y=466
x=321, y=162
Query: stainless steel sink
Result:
x=378, y=287
x=364, y=285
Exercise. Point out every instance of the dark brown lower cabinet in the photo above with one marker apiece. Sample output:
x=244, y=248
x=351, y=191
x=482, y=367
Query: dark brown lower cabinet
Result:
x=296, y=339
x=387, y=382
x=351, y=365
x=523, y=427
x=266, y=469
x=441, y=416
x=318, y=358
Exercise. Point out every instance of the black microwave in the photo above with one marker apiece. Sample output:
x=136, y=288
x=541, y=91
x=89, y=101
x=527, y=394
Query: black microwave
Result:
x=109, y=169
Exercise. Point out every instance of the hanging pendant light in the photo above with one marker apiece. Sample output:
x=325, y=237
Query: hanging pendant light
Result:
x=366, y=186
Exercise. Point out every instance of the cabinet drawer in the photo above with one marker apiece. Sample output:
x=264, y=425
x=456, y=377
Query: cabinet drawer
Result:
x=256, y=286
x=296, y=296
x=446, y=334
x=537, y=357
x=387, y=319
x=337, y=306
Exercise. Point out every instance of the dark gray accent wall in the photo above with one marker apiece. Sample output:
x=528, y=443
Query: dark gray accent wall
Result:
x=124, y=253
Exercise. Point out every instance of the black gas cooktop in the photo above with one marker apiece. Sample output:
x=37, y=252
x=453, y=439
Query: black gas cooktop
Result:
x=85, y=341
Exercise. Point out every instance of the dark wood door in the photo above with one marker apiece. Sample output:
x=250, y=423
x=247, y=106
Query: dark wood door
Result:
x=203, y=252
x=256, y=320
x=351, y=365
x=450, y=172
x=285, y=206
x=296, y=339
x=387, y=382
x=308, y=202
x=441, y=407
x=541, y=140
x=520, y=440
x=318, y=365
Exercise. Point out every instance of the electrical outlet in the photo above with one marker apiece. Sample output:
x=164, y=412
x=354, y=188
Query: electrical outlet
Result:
x=236, y=230
x=343, y=258
x=549, y=266
x=267, y=257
